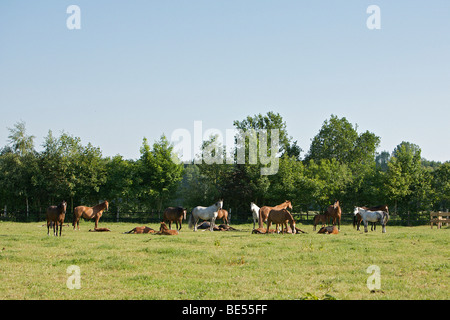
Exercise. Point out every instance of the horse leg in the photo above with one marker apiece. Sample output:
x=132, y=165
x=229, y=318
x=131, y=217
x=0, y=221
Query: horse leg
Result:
x=365, y=226
x=48, y=228
x=339, y=223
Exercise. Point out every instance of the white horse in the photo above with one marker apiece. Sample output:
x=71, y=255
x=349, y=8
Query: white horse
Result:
x=255, y=212
x=205, y=213
x=372, y=216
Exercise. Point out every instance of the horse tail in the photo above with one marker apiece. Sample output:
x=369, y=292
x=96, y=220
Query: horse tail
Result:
x=191, y=220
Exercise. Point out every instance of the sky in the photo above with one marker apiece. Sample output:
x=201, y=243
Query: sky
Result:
x=140, y=69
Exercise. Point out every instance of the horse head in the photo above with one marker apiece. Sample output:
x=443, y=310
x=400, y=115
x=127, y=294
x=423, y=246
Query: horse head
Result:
x=63, y=206
x=356, y=211
x=219, y=204
x=289, y=204
x=335, y=204
x=107, y=205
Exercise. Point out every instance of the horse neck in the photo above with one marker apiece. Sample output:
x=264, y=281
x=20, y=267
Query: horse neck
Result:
x=99, y=207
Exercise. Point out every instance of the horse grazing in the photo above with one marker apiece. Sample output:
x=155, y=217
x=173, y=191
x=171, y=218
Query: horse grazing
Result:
x=329, y=230
x=223, y=214
x=372, y=216
x=174, y=214
x=163, y=230
x=334, y=212
x=89, y=213
x=205, y=213
x=55, y=216
x=264, y=211
x=255, y=213
x=139, y=230
x=281, y=217
x=357, y=219
x=319, y=218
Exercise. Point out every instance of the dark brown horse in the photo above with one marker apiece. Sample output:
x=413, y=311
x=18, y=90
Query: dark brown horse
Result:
x=56, y=215
x=281, y=217
x=89, y=213
x=223, y=214
x=334, y=212
x=176, y=214
x=264, y=211
x=319, y=218
x=357, y=219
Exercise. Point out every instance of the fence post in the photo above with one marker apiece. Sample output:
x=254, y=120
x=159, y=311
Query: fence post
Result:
x=117, y=216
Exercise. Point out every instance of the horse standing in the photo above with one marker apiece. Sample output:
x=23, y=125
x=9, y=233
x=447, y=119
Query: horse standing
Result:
x=255, y=213
x=281, y=217
x=334, y=212
x=264, y=211
x=205, y=213
x=89, y=213
x=223, y=214
x=357, y=219
x=372, y=216
x=174, y=214
x=56, y=214
x=319, y=218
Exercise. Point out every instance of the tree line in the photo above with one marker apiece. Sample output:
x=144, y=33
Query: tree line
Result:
x=340, y=164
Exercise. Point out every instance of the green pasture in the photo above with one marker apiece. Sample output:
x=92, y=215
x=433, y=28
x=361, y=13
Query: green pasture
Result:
x=414, y=263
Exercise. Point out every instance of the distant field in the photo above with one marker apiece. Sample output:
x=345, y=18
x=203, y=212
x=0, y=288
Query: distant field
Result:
x=414, y=263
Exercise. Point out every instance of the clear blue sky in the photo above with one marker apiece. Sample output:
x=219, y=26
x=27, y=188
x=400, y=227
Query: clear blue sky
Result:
x=143, y=68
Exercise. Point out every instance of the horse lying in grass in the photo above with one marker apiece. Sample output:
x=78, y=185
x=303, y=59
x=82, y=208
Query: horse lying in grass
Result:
x=142, y=229
x=329, y=230
x=164, y=230
x=262, y=231
x=99, y=230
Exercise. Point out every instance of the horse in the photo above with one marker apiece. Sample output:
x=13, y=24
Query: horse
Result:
x=319, y=218
x=56, y=215
x=262, y=231
x=174, y=214
x=223, y=214
x=205, y=213
x=334, y=211
x=139, y=230
x=163, y=230
x=329, y=230
x=255, y=212
x=99, y=230
x=89, y=213
x=281, y=217
x=264, y=211
x=372, y=216
x=357, y=218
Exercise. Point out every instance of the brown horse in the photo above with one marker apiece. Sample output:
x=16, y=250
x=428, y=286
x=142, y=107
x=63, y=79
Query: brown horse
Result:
x=264, y=211
x=142, y=229
x=55, y=216
x=329, y=230
x=223, y=214
x=163, y=230
x=357, y=219
x=281, y=217
x=319, y=218
x=89, y=213
x=262, y=231
x=334, y=212
x=174, y=214
x=100, y=230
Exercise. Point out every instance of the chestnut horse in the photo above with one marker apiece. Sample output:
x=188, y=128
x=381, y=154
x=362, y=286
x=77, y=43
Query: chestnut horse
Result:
x=56, y=214
x=329, y=230
x=264, y=211
x=89, y=213
x=319, y=218
x=142, y=229
x=281, y=217
x=223, y=214
x=174, y=214
x=334, y=212
x=163, y=230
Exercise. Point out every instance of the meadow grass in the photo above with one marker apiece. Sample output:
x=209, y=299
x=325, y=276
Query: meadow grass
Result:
x=414, y=263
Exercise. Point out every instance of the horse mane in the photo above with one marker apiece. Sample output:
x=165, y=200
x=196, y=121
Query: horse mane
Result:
x=100, y=205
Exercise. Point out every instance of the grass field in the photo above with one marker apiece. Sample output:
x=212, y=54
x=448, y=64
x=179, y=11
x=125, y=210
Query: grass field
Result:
x=414, y=263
